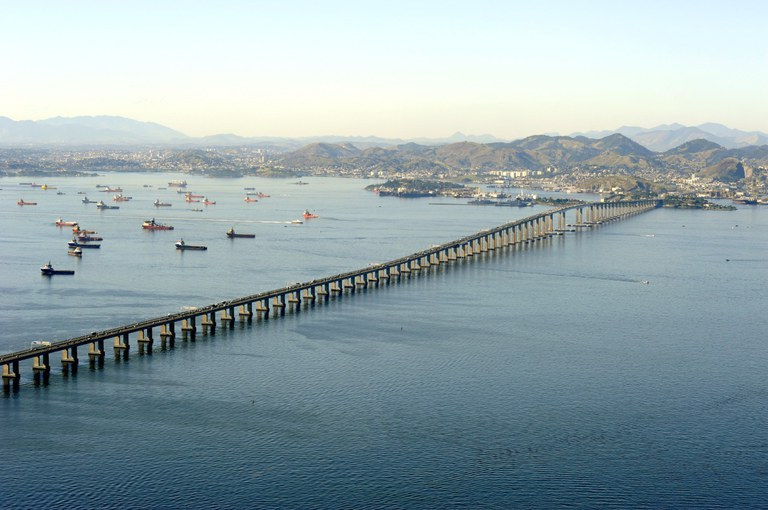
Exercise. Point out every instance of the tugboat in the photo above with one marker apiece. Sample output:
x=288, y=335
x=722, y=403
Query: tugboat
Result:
x=178, y=184
x=61, y=223
x=208, y=202
x=231, y=234
x=101, y=205
x=158, y=203
x=249, y=199
x=22, y=202
x=77, y=252
x=181, y=245
x=308, y=215
x=121, y=198
x=262, y=195
x=86, y=200
x=153, y=225
x=48, y=270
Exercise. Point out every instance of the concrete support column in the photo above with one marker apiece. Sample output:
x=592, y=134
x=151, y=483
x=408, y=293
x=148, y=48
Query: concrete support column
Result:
x=189, y=326
x=122, y=346
x=168, y=330
x=69, y=355
x=96, y=350
x=41, y=363
x=246, y=312
x=11, y=374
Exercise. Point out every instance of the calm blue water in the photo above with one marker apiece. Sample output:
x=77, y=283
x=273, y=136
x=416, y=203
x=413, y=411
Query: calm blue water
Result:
x=552, y=376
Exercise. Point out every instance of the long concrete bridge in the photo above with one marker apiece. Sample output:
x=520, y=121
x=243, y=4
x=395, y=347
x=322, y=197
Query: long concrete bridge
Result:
x=205, y=320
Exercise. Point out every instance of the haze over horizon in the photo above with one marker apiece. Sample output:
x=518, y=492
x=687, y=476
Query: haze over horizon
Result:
x=398, y=70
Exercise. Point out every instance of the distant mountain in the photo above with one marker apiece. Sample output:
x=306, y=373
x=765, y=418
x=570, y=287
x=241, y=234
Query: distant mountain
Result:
x=110, y=130
x=101, y=130
x=667, y=136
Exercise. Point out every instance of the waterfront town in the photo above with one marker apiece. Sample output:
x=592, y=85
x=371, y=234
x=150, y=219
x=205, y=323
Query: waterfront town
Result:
x=679, y=181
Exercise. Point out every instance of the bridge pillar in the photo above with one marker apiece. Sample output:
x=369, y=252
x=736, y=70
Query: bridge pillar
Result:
x=262, y=306
x=41, y=363
x=145, y=336
x=246, y=312
x=122, y=346
x=230, y=317
x=189, y=327
x=208, y=321
x=309, y=293
x=168, y=330
x=96, y=350
x=278, y=304
x=69, y=359
x=11, y=374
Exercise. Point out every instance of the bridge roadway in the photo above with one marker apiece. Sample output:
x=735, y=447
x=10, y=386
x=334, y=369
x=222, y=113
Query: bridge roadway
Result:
x=523, y=231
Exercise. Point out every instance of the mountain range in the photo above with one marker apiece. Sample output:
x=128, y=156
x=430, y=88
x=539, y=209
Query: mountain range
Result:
x=112, y=130
x=668, y=136
x=537, y=153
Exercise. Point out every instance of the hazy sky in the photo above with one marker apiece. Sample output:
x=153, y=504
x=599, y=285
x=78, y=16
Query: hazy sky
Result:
x=387, y=68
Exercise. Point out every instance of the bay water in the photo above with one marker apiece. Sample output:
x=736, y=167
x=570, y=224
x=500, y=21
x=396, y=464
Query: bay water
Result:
x=623, y=366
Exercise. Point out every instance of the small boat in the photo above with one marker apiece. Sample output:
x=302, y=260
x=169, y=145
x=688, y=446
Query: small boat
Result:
x=300, y=182
x=296, y=222
x=153, y=225
x=22, y=202
x=232, y=234
x=61, y=223
x=262, y=195
x=77, y=252
x=208, y=202
x=249, y=199
x=196, y=210
x=158, y=203
x=112, y=190
x=189, y=199
x=101, y=205
x=192, y=195
x=308, y=215
x=249, y=189
x=120, y=198
x=86, y=200
x=181, y=245
x=60, y=193
x=74, y=243
x=48, y=270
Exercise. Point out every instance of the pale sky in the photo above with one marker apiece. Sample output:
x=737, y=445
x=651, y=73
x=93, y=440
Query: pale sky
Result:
x=387, y=68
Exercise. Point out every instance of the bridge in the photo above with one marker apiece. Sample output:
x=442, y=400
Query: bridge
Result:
x=205, y=320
